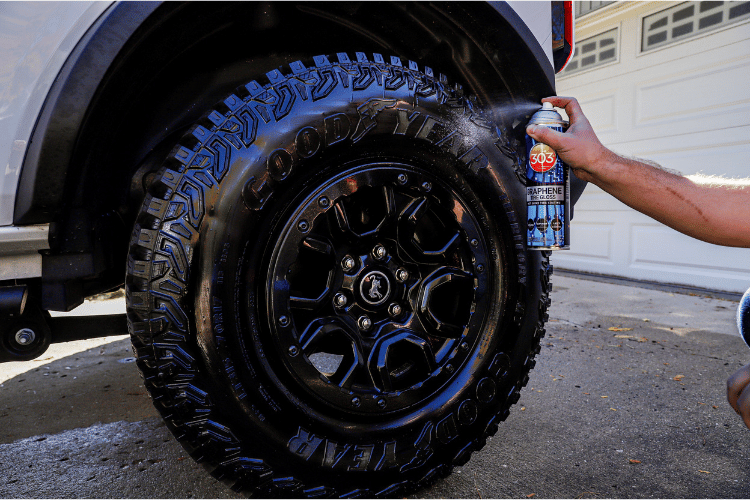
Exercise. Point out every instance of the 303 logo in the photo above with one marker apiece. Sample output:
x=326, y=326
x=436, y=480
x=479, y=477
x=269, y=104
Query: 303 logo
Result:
x=542, y=158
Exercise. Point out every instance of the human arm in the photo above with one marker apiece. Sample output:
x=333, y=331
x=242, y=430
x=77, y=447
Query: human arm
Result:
x=711, y=209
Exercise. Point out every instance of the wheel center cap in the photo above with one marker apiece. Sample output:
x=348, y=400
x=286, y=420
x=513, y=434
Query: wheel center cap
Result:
x=375, y=288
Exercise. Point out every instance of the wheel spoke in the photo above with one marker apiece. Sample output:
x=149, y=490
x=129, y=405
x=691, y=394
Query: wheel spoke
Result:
x=330, y=337
x=365, y=212
x=310, y=278
x=308, y=303
x=414, y=212
x=424, y=237
x=407, y=227
x=445, y=299
x=345, y=373
x=319, y=245
x=342, y=219
x=316, y=332
x=399, y=360
x=442, y=252
x=390, y=201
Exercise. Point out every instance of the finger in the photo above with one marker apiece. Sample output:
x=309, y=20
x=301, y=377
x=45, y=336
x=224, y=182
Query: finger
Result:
x=569, y=104
x=559, y=101
x=546, y=135
x=743, y=403
x=735, y=385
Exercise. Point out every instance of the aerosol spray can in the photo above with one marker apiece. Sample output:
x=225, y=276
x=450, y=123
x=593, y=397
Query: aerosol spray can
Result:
x=547, y=188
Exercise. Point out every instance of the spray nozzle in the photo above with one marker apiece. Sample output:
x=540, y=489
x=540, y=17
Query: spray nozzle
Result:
x=546, y=106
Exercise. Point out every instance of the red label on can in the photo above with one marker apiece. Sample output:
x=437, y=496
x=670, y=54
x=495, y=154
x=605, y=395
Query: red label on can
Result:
x=542, y=158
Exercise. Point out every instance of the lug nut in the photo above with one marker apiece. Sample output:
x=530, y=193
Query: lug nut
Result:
x=474, y=242
x=356, y=402
x=402, y=275
x=339, y=300
x=364, y=323
x=25, y=336
x=394, y=310
x=402, y=178
x=449, y=368
x=324, y=201
x=283, y=321
x=379, y=252
x=381, y=403
x=303, y=226
x=480, y=267
x=426, y=186
x=464, y=346
x=348, y=263
x=293, y=351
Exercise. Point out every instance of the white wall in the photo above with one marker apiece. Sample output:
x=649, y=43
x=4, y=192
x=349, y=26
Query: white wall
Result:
x=685, y=106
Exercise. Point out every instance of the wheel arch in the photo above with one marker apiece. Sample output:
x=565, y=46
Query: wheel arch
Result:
x=140, y=75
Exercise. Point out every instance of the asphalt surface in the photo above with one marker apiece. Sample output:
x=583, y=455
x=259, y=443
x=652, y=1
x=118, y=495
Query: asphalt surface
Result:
x=635, y=412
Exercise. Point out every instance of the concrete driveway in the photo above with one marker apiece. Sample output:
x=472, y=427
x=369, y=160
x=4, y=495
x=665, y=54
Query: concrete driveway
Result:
x=627, y=400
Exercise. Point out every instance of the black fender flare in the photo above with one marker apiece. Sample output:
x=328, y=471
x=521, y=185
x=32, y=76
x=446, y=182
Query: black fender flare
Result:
x=42, y=183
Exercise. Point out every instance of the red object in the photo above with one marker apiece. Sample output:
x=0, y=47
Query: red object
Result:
x=542, y=158
x=570, y=24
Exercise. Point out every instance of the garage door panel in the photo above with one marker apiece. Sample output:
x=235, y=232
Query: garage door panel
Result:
x=721, y=45
x=730, y=281
x=726, y=124
x=598, y=242
x=656, y=253
x=602, y=110
x=729, y=159
x=698, y=95
x=708, y=152
x=657, y=244
x=594, y=200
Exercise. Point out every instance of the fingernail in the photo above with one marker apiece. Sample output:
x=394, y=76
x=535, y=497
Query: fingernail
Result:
x=531, y=129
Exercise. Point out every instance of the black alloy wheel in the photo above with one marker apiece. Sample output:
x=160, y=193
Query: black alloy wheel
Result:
x=328, y=289
x=377, y=288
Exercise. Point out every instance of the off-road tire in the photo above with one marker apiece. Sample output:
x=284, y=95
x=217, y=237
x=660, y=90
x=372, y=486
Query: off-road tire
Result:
x=219, y=339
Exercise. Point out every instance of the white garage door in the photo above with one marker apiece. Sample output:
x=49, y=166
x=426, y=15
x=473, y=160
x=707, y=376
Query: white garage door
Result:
x=676, y=90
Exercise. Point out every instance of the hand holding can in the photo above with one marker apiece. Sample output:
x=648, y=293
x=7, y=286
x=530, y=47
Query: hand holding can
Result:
x=547, y=188
x=579, y=147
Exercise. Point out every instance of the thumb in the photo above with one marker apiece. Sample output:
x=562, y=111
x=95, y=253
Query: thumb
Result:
x=551, y=138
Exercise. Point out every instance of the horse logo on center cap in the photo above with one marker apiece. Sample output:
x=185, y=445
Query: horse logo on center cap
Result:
x=375, y=288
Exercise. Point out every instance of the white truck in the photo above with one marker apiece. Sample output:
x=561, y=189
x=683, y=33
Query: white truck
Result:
x=316, y=210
